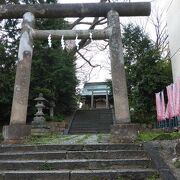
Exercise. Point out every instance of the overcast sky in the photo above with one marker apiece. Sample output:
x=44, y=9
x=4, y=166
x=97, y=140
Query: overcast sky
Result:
x=102, y=57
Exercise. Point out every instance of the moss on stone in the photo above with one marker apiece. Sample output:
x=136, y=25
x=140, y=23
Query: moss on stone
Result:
x=83, y=139
x=149, y=136
x=177, y=163
x=46, y=167
x=48, y=139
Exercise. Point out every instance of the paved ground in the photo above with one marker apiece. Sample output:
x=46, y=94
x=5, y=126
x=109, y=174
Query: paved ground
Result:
x=70, y=139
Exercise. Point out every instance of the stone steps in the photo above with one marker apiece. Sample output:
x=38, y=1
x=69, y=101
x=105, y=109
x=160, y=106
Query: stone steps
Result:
x=103, y=126
x=130, y=174
x=89, y=131
x=86, y=127
x=98, y=154
x=72, y=147
x=79, y=123
x=75, y=162
x=91, y=121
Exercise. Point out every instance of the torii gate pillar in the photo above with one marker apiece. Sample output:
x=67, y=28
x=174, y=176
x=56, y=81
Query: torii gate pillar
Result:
x=122, y=130
x=121, y=105
x=18, y=128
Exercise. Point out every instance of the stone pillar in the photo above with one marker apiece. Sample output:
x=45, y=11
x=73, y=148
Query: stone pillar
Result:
x=107, y=100
x=120, y=95
x=22, y=80
x=23, y=72
x=92, y=100
x=122, y=131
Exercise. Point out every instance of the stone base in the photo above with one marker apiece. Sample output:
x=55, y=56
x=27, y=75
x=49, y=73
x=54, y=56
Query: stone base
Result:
x=38, y=120
x=15, y=133
x=39, y=130
x=56, y=127
x=124, y=133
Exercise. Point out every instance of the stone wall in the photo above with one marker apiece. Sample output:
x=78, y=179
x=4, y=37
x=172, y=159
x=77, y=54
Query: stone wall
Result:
x=57, y=127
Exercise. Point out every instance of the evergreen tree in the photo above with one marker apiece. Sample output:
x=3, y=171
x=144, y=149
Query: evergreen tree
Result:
x=53, y=70
x=6, y=81
x=147, y=73
x=9, y=34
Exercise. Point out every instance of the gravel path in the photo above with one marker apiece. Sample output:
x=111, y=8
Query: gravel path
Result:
x=92, y=139
x=83, y=139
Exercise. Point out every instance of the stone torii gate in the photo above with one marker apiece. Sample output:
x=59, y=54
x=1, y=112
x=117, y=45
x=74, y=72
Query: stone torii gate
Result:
x=122, y=127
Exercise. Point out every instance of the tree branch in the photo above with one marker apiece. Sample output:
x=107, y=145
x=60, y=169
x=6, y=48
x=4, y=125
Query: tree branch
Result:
x=88, y=61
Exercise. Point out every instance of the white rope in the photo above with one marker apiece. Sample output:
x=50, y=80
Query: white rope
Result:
x=62, y=42
x=77, y=42
x=90, y=36
x=49, y=41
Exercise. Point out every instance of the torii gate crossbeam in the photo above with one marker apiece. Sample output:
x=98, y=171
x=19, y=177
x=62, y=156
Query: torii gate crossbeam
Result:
x=75, y=10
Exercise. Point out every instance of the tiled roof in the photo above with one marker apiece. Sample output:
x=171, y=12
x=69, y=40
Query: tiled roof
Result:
x=98, y=88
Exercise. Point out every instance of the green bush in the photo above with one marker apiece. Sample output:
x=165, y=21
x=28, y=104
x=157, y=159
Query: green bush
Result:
x=1, y=138
x=57, y=118
x=154, y=177
x=150, y=136
x=163, y=136
x=177, y=164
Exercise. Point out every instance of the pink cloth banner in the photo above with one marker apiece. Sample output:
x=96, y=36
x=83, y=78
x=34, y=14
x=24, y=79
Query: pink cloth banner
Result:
x=167, y=112
x=173, y=105
x=170, y=104
x=163, y=111
x=158, y=106
x=177, y=97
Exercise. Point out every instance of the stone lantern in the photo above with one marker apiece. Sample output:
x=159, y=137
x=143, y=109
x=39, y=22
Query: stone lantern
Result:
x=39, y=126
x=39, y=116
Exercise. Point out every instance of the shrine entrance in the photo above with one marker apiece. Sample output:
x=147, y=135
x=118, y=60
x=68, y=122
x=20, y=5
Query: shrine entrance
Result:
x=18, y=128
x=95, y=95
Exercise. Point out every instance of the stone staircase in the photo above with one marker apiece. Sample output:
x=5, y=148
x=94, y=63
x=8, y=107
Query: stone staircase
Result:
x=75, y=162
x=91, y=121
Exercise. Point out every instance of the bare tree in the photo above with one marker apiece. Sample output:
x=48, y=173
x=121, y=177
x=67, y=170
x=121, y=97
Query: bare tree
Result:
x=158, y=21
x=86, y=45
x=88, y=65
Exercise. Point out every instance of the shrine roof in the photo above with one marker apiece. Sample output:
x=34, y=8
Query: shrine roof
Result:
x=98, y=88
